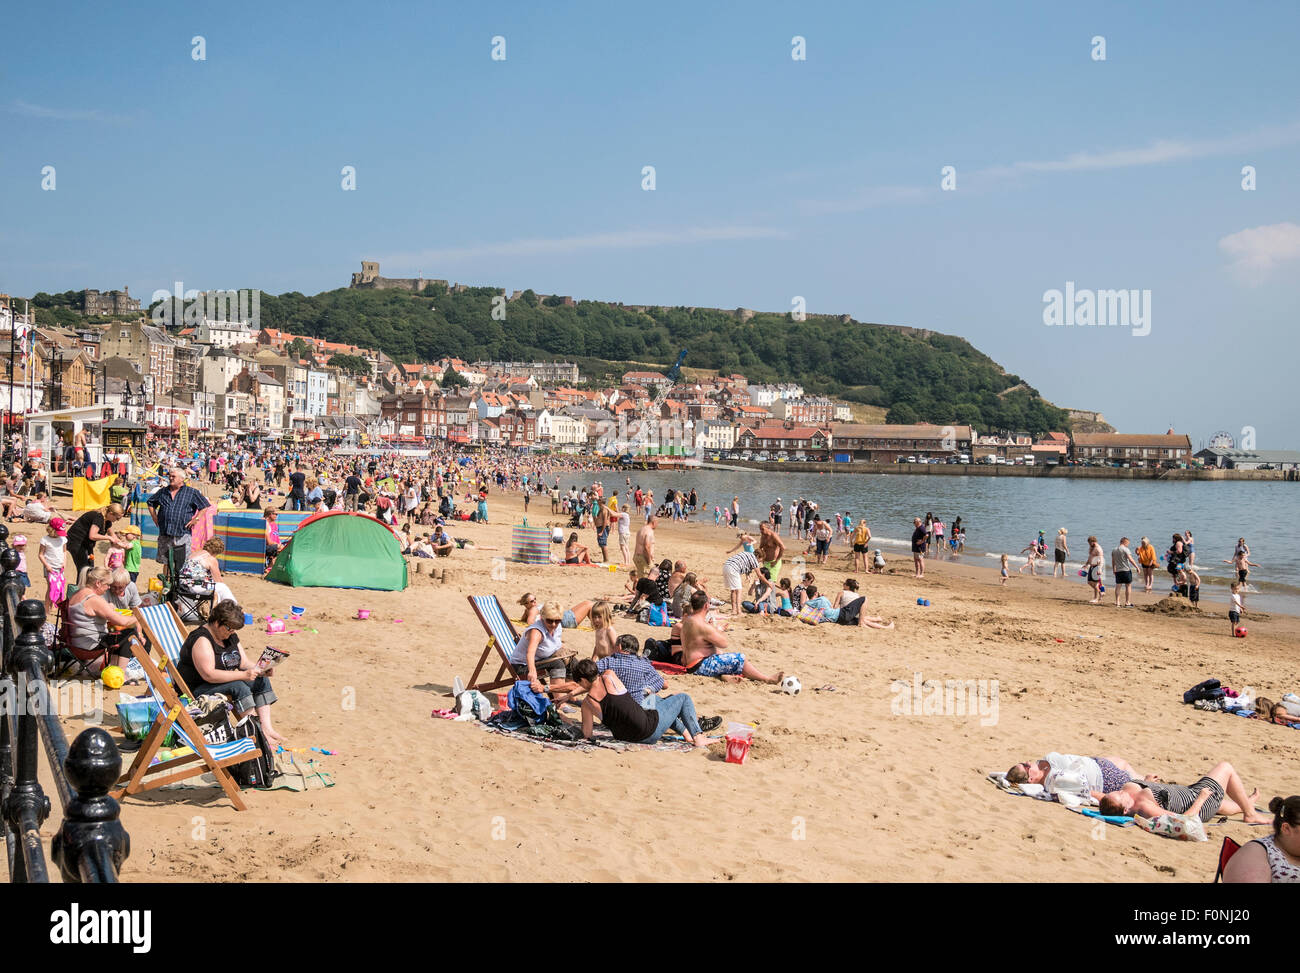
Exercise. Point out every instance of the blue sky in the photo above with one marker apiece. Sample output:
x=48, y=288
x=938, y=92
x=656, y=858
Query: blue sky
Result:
x=775, y=178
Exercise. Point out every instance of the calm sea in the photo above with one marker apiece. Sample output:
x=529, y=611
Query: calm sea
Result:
x=1003, y=514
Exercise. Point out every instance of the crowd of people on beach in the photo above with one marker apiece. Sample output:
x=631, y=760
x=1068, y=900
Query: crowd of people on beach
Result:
x=622, y=683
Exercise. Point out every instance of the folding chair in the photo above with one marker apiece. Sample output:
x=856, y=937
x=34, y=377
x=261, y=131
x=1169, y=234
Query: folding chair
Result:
x=167, y=633
x=72, y=662
x=501, y=636
x=164, y=631
x=193, y=607
x=1229, y=849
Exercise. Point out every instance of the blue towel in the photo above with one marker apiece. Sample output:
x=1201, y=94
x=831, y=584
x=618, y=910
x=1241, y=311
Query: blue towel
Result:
x=524, y=690
x=1119, y=819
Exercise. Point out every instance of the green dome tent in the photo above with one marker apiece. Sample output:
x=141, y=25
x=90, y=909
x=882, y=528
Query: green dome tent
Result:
x=337, y=549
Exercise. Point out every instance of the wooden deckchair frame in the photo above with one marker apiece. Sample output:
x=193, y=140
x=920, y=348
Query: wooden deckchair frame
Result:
x=505, y=672
x=142, y=775
x=157, y=643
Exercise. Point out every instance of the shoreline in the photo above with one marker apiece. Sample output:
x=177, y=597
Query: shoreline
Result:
x=979, y=560
x=1054, y=471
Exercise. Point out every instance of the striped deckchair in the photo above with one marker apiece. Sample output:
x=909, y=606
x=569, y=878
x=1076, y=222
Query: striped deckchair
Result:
x=501, y=636
x=164, y=630
x=166, y=633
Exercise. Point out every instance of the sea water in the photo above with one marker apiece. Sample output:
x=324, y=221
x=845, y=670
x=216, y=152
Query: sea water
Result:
x=1002, y=515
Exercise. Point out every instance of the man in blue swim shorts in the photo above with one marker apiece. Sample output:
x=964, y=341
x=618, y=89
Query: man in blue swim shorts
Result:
x=721, y=664
x=701, y=642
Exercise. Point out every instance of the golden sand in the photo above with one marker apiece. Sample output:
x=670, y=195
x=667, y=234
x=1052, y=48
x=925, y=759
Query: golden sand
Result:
x=838, y=786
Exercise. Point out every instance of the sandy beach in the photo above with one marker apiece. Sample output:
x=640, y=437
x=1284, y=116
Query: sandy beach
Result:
x=838, y=786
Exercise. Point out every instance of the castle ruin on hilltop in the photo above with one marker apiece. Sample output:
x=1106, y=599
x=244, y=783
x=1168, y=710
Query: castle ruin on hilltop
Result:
x=369, y=278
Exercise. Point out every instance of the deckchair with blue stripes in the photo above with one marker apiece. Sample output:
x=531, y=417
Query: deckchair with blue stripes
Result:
x=164, y=630
x=501, y=636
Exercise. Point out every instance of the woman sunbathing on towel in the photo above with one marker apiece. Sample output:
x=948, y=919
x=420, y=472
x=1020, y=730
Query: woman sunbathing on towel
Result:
x=1074, y=773
x=1203, y=798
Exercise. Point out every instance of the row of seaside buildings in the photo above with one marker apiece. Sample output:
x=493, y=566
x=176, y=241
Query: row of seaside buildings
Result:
x=229, y=378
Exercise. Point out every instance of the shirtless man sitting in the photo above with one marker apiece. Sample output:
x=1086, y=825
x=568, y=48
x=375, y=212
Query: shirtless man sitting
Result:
x=674, y=579
x=1218, y=792
x=701, y=640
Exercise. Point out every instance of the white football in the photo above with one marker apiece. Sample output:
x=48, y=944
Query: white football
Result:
x=791, y=685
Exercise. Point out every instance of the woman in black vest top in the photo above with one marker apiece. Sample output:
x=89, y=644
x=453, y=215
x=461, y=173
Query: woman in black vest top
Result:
x=609, y=702
x=213, y=661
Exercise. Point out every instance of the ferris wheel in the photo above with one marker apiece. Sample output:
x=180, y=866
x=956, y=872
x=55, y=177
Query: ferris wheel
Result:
x=1221, y=440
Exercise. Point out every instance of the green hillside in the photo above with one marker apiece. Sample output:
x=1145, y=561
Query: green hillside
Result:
x=916, y=376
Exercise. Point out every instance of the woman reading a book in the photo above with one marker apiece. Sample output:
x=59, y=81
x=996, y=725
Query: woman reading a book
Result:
x=213, y=661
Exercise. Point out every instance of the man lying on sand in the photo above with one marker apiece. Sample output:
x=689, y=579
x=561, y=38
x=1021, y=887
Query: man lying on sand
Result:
x=1204, y=798
x=701, y=641
x=1068, y=773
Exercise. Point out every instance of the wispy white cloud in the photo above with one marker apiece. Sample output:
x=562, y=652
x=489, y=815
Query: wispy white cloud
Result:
x=1158, y=152
x=870, y=198
x=19, y=107
x=615, y=240
x=1253, y=253
x=1155, y=153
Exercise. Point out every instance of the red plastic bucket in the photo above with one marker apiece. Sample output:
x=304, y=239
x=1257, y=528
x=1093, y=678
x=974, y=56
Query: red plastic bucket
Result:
x=740, y=737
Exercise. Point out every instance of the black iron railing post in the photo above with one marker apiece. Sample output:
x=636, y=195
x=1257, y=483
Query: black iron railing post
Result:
x=26, y=807
x=92, y=844
x=7, y=602
x=7, y=695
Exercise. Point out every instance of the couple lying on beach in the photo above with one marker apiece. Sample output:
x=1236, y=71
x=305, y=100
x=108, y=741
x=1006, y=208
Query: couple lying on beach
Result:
x=1274, y=858
x=1120, y=790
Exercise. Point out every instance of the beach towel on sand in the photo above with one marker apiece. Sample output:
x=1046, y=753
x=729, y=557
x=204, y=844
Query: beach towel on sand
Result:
x=1038, y=792
x=672, y=668
x=301, y=775
x=604, y=740
x=1119, y=820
